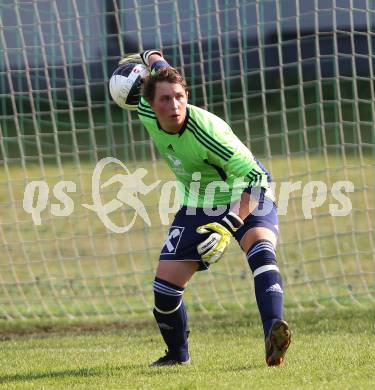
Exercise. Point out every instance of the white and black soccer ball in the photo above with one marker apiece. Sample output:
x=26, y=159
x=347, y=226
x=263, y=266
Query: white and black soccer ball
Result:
x=125, y=84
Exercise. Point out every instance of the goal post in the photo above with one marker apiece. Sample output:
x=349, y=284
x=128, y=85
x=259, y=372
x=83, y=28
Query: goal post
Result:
x=294, y=79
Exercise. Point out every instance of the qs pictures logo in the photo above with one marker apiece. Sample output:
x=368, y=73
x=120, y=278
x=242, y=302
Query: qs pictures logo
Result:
x=131, y=184
x=132, y=187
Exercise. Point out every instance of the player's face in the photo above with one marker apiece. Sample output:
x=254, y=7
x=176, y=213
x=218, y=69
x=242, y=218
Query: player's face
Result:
x=169, y=106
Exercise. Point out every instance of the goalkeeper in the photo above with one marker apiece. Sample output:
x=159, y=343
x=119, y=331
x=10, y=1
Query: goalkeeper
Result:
x=225, y=192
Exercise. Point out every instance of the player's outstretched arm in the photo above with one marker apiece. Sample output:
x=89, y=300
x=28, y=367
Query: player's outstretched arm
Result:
x=153, y=59
x=146, y=57
x=125, y=82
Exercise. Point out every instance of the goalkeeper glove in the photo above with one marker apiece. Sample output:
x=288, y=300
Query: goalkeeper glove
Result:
x=215, y=245
x=139, y=58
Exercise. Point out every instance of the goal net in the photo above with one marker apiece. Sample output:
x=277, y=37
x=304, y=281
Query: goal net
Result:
x=293, y=78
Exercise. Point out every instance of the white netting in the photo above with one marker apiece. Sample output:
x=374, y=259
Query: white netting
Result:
x=295, y=79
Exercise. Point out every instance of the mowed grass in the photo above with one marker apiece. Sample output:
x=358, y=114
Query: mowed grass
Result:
x=331, y=349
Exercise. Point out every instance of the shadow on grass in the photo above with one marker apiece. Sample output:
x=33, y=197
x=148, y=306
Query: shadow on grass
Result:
x=81, y=372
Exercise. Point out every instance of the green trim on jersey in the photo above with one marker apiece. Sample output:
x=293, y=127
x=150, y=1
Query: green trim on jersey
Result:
x=208, y=141
x=145, y=110
x=212, y=166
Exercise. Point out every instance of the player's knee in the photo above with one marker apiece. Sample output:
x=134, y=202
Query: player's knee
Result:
x=168, y=297
x=262, y=257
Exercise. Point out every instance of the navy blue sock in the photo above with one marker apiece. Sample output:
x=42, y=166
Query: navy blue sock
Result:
x=171, y=317
x=268, y=284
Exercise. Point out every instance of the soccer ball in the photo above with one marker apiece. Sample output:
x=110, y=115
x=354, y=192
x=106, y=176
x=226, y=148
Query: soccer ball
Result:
x=125, y=84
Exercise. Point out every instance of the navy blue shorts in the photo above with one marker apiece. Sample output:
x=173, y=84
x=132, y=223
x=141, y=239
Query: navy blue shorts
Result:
x=182, y=239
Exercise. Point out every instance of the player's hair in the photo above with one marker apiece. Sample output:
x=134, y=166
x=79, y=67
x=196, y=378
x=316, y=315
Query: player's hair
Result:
x=170, y=75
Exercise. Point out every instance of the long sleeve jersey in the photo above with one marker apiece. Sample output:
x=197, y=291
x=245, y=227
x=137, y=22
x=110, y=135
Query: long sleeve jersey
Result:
x=212, y=166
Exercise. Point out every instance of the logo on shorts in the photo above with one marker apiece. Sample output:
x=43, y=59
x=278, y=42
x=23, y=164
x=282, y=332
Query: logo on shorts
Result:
x=173, y=240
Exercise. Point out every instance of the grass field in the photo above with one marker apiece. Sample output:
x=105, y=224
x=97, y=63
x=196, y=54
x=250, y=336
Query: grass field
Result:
x=331, y=349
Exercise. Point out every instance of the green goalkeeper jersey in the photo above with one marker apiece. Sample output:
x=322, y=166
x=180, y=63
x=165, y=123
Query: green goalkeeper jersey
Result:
x=212, y=166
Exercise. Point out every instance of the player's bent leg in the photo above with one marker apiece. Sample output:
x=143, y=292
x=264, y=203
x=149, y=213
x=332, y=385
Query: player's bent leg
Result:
x=169, y=311
x=255, y=234
x=259, y=245
x=177, y=272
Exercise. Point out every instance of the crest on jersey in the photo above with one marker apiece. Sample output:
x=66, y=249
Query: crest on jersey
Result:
x=176, y=165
